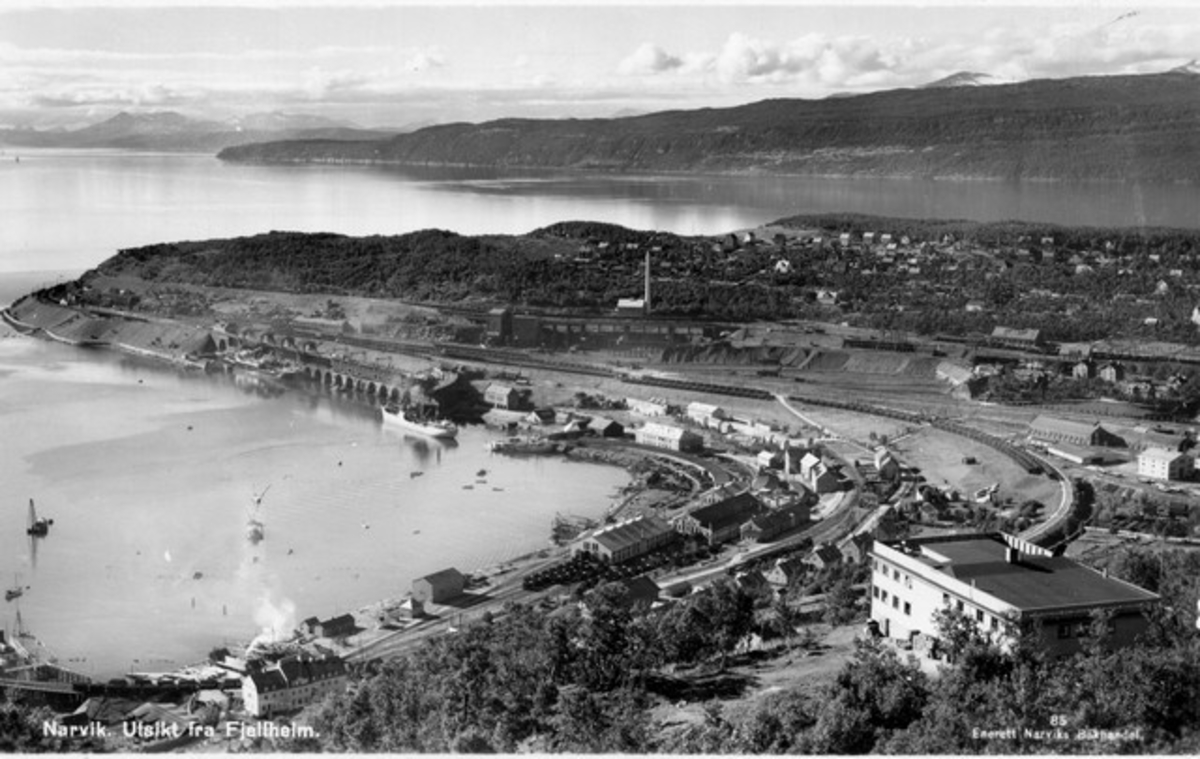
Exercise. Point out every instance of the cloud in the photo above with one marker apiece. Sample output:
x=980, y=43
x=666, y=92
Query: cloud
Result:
x=424, y=60
x=648, y=59
x=821, y=62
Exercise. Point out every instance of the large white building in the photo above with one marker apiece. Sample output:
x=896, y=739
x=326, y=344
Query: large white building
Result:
x=291, y=684
x=1164, y=464
x=1006, y=585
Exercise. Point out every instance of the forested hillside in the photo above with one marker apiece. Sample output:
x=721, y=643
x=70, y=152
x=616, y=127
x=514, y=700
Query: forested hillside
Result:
x=1127, y=128
x=937, y=277
x=584, y=682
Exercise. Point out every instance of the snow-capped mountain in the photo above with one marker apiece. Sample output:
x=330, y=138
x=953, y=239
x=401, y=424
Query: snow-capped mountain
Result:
x=967, y=79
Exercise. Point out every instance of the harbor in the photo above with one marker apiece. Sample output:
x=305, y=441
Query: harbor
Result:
x=152, y=498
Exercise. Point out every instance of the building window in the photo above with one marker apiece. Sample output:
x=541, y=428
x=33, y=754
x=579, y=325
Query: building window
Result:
x=883, y=596
x=945, y=599
x=895, y=602
x=979, y=616
x=995, y=623
x=896, y=575
x=875, y=591
x=908, y=608
x=959, y=606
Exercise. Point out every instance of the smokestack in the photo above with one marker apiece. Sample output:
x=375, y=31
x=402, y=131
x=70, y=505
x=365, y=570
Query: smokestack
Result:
x=646, y=294
x=1012, y=555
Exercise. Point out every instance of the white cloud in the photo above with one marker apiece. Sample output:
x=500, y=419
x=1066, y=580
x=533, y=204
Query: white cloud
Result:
x=820, y=62
x=648, y=59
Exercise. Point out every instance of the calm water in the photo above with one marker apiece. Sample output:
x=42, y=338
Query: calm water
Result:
x=150, y=475
x=64, y=210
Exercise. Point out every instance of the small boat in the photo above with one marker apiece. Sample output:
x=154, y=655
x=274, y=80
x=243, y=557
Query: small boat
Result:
x=39, y=527
x=416, y=421
x=15, y=592
x=481, y=473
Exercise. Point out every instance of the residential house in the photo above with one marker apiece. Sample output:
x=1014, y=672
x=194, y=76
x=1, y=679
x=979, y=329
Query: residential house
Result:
x=824, y=479
x=886, y=465
x=786, y=571
x=541, y=417
x=807, y=463
x=824, y=556
x=502, y=396
x=769, y=459
x=1083, y=370
x=1112, y=372
x=334, y=627
x=857, y=548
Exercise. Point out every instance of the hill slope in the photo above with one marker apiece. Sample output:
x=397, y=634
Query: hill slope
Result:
x=1114, y=128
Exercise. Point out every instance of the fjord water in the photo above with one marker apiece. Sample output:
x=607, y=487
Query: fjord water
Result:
x=150, y=475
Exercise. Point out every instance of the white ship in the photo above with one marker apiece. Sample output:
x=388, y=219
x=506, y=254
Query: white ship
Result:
x=413, y=420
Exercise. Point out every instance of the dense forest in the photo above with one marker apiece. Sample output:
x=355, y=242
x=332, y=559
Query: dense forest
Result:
x=1125, y=128
x=950, y=277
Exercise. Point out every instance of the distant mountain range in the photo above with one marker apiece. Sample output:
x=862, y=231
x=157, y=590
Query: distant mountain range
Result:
x=167, y=130
x=1128, y=128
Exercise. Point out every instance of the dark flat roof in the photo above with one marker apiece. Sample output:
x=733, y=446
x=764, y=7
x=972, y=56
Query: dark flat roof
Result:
x=1034, y=582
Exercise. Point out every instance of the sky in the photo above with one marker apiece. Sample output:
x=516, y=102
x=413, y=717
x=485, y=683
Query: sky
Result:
x=401, y=64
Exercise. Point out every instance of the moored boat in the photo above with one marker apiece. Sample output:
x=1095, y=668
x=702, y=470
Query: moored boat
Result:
x=523, y=445
x=411, y=419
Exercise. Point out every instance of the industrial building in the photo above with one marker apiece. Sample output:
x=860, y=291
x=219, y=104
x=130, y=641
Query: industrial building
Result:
x=439, y=587
x=722, y=521
x=626, y=540
x=667, y=436
x=1051, y=429
x=1007, y=586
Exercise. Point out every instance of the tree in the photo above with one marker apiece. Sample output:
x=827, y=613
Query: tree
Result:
x=873, y=696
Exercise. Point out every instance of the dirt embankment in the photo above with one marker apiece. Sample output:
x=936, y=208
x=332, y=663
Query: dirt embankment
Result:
x=730, y=355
